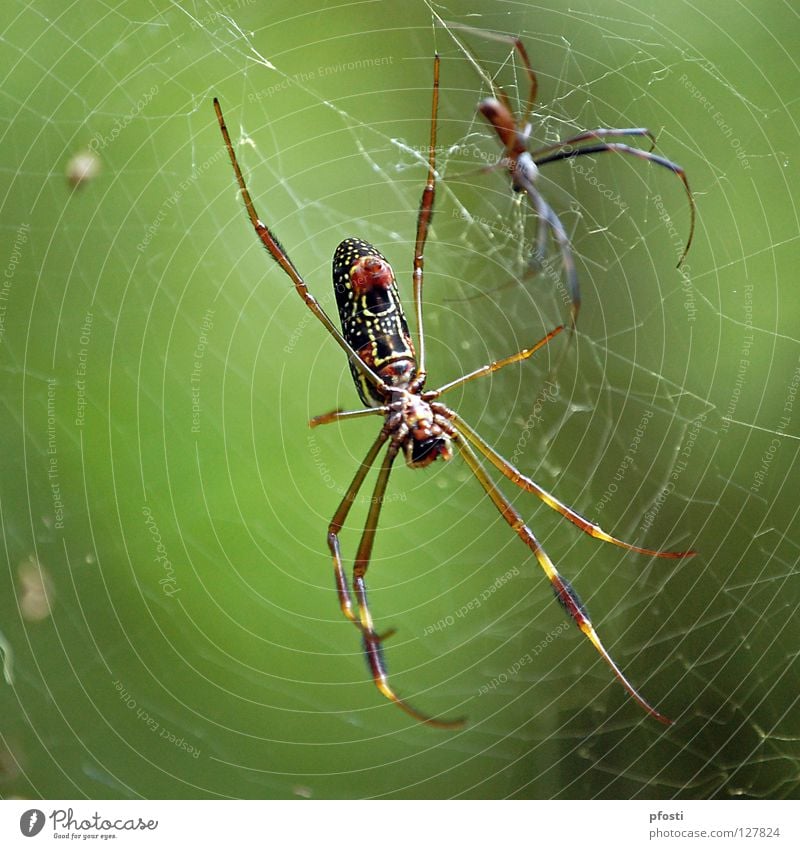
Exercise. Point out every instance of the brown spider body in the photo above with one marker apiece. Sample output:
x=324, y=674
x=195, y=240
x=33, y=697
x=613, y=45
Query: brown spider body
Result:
x=517, y=159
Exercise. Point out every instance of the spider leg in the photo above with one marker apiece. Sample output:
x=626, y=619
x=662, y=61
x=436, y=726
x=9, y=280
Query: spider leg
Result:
x=565, y=594
x=282, y=258
x=546, y=214
x=340, y=415
x=372, y=641
x=423, y=224
x=513, y=136
x=618, y=147
x=338, y=520
x=492, y=367
x=497, y=109
x=525, y=483
x=515, y=42
x=593, y=135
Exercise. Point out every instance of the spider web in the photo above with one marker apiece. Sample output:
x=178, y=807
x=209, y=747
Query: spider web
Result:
x=168, y=625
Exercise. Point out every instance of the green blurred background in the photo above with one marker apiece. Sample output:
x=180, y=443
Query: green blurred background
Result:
x=167, y=616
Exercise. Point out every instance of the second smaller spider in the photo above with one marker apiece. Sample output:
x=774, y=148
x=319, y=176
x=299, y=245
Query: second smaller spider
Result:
x=523, y=164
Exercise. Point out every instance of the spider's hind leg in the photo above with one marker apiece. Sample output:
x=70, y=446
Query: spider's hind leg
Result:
x=339, y=518
x=566, y=596
x=362, y=618
x=372, y=640
x=529, y=485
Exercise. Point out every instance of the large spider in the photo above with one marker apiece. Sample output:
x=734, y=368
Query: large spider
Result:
x=389, y=375
x=522, y=164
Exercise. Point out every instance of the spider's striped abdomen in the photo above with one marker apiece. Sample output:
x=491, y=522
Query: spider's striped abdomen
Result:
x=372, y=317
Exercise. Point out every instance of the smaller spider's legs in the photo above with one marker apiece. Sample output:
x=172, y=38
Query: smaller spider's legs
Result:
x=594, y=135
x=566, y=150
x=497, y=91
x=564, y=592
x=546, y=214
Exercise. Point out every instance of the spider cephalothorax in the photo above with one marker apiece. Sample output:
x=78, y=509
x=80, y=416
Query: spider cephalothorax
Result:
x=423, y=434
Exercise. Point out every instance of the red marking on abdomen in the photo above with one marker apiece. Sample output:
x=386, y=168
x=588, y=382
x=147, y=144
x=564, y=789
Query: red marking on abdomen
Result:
x=370, y=272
